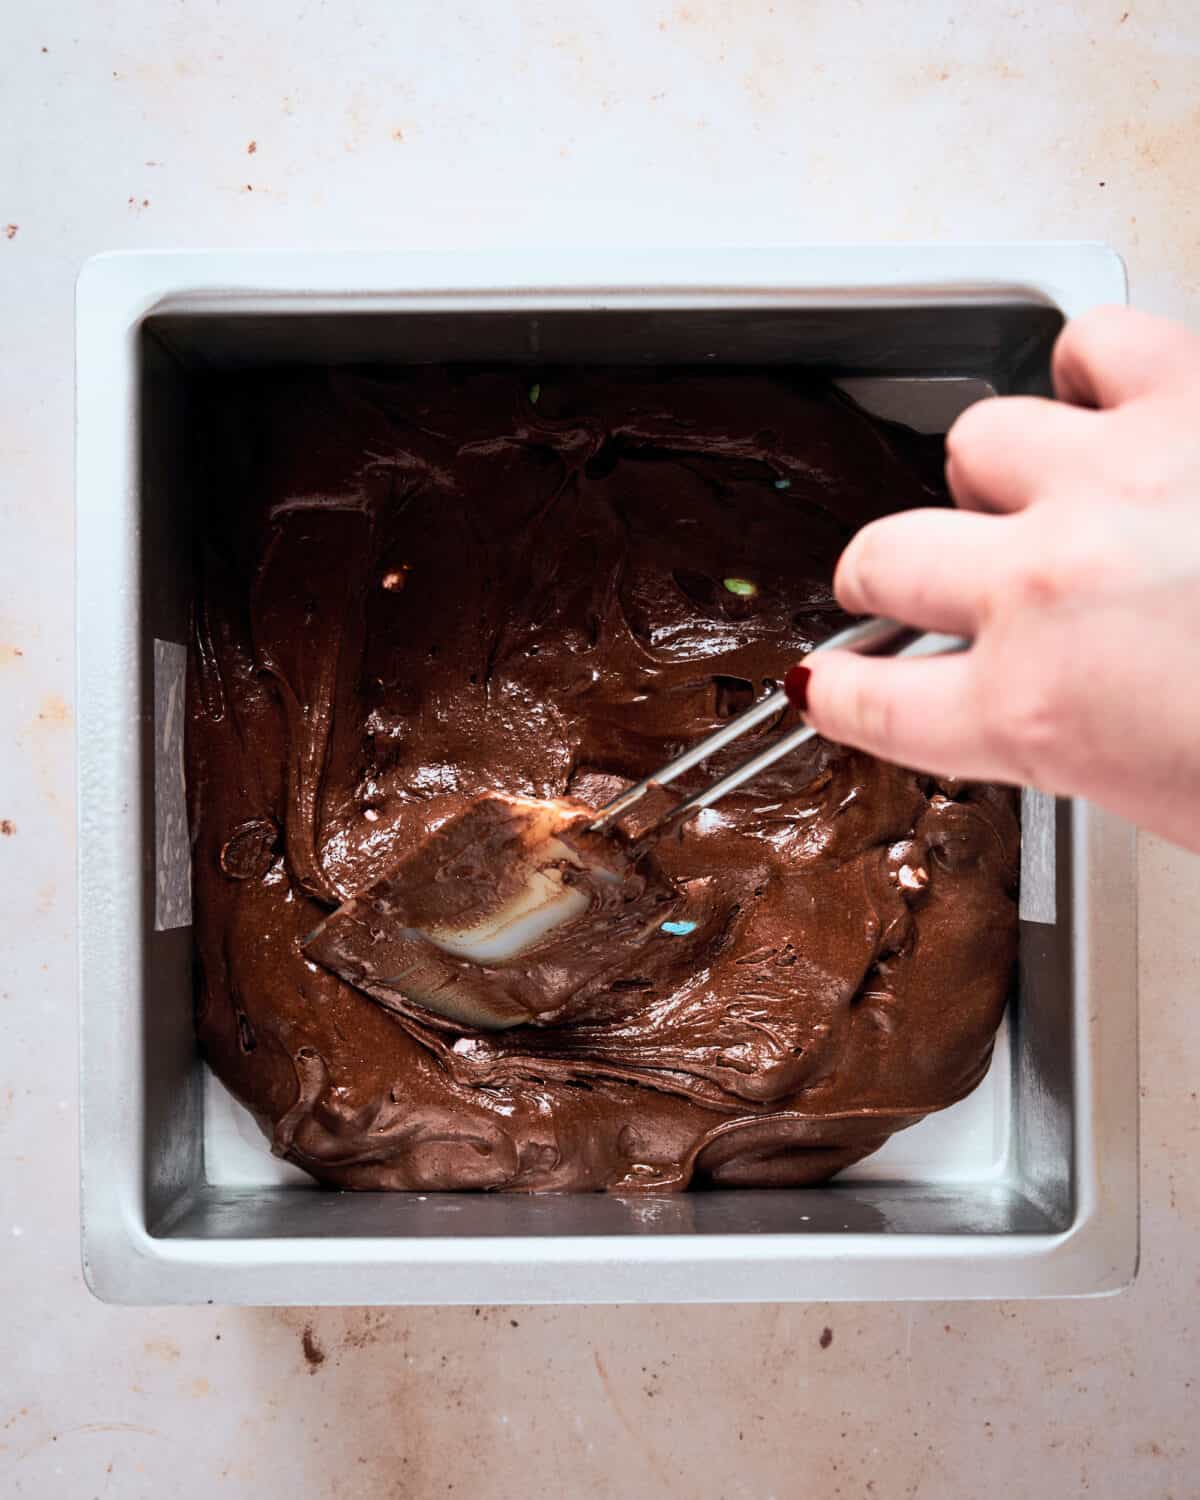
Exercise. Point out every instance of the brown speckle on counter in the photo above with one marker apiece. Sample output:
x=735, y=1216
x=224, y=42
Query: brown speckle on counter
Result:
x=54, y=711
x=10, y=231
x=7, y=827
x=313, y=1352
x=251, y=148
x=826, y=1338
x=165, y=1349
x=368, y=1327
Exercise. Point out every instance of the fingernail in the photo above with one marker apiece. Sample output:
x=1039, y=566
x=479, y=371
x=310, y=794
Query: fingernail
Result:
x=795, y=685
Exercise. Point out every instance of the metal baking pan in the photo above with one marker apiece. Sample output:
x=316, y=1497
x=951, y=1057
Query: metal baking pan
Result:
x=1029, y=1188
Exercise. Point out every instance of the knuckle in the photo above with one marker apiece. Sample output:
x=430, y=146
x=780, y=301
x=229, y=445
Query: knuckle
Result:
x=1145, y=484
x=1048, y=559
x=1039, y=583
x=1023, y=725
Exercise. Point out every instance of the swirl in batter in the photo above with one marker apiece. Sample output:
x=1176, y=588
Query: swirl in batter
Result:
x=425, y=587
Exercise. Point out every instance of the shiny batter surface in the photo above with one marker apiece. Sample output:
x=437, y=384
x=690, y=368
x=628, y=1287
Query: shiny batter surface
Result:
x=423, y=587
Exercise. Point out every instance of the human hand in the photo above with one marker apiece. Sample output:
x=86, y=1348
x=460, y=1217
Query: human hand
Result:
x=1073, y=563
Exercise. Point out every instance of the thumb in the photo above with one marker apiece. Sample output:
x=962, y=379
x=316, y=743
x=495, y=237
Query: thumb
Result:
x=917, y=713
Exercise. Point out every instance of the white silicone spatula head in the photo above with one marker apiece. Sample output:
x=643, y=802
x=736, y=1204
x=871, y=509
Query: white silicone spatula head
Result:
x=470, y=924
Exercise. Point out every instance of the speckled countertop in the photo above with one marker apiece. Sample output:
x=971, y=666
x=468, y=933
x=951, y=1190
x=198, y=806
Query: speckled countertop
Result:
x=601, y=122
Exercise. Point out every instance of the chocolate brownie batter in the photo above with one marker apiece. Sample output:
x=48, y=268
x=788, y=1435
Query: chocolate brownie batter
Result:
x=422, y=589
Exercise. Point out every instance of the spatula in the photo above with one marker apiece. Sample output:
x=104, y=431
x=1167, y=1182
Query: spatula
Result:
x=514, y=906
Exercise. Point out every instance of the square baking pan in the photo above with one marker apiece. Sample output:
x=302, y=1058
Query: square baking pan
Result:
x=1028, y=1188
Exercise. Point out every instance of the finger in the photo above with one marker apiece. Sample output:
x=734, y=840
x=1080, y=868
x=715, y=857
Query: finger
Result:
x=1116, y=354
x=924, y=567
x=917, y=713
x=1002, y=452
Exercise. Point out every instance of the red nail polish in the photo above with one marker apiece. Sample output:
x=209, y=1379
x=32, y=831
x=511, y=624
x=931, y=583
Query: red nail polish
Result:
x=795, y=685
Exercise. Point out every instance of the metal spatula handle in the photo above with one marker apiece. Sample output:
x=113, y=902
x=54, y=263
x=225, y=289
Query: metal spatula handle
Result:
x=873, y=637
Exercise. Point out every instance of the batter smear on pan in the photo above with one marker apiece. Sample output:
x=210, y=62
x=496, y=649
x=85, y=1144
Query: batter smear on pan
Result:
x=433, y=590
